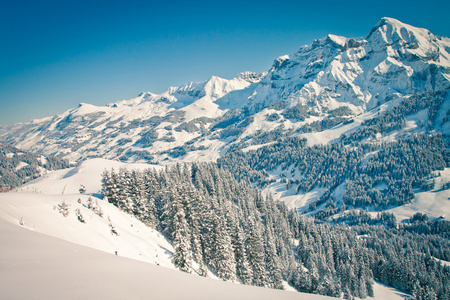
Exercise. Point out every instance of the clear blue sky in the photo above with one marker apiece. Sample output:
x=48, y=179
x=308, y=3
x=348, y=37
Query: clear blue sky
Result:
x=56, y=54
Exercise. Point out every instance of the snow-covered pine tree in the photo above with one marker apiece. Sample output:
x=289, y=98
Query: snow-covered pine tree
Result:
x=152, y=191
x=79, y=215
x=110, y=181
x=182, y=257
x=177, y=230
x=222, y=260
x=274, y=277
x=255, y=253
x=243, y=269
x=123, y=194
x=138, y=196
x=63, y=208
x=193, y=204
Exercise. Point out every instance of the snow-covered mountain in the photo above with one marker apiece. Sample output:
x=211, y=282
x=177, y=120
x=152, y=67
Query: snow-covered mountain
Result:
x=188, y=122
x=393, y=59
x=340, y=125
x=391, y=84
x=92, y=131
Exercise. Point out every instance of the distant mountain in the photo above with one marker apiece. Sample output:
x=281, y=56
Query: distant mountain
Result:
x=394, y=59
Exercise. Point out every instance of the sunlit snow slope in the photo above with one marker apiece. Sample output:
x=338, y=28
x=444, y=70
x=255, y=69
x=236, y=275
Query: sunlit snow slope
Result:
x=37, y=266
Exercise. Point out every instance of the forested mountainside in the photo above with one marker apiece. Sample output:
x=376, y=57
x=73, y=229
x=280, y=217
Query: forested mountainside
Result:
x=18, y=166
x=217, y=224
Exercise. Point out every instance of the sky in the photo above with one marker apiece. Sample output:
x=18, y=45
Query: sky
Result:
x=57, y=54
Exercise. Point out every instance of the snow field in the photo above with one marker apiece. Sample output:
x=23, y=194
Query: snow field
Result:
x=35, y=266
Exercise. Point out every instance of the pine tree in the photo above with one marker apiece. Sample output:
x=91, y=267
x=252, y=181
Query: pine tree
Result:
x=243, y=268
x=79, y=215
x=255, y=252
x=124, y=200
x=274, y=277
x=177, y=229
x=182, y=256
x=222, y=257
x=63, y=208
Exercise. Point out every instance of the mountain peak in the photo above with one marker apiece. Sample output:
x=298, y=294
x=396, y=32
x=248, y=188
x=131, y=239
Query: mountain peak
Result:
x=391, y=30
x=392, y=21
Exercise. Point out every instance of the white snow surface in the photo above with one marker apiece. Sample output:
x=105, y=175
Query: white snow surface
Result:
x=36, y=205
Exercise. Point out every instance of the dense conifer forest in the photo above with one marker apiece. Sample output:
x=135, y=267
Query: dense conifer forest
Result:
x=217, y=224
x=375, y=175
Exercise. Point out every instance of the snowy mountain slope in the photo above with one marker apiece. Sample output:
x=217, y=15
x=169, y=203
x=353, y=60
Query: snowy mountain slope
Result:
x=92, y=131
x=391, y=85
x=334, y=74
x=37, y=266
x=63, y=266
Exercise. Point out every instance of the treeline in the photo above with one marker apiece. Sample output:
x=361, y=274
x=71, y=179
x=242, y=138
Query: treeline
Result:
x=407, y=261
x=319, y=165
x=18, y=166
x=231, y=229
x=213, y=222
x=220, y=225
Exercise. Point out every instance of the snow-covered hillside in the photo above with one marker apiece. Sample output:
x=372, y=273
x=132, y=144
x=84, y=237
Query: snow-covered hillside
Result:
x=18, y=166
x=37, y=266
x=50, y=261
x=36, y=206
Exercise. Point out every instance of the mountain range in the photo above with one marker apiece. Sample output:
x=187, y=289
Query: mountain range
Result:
x=351, y=75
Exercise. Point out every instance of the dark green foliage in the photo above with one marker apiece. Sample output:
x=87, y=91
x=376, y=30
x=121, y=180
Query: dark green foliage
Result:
x=341, y=112
x=206, y=214
x=273, y=117
x=298, y=112
x=187, y=126
x=385, y=177
x=324, y=166
x=327, y=123
x=401, y=166
x=240, y=235
x=147, y=139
